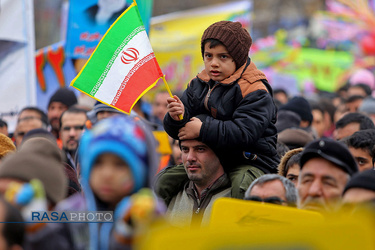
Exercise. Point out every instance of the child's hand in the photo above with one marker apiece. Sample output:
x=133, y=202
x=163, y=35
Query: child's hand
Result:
x=191, y=129
x=175, y=108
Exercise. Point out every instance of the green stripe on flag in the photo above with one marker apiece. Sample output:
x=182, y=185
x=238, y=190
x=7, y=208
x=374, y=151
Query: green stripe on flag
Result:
x=126, y=27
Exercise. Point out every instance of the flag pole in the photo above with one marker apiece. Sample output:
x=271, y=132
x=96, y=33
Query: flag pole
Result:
x=170, y=93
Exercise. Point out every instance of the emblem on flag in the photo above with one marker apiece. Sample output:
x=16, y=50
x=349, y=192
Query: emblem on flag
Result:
x=130, y=55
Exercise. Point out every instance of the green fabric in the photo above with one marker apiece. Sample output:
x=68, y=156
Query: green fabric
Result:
x=171, y=180
x=241, y=178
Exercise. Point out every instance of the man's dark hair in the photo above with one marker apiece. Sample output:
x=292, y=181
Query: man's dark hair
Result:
x=364, y=87
x=43, y=116
x=14, y=232
x=3, y=123
x=363, y=139
x=73, y=110
x=364, y=121
x=317, y=106
x=354, y=98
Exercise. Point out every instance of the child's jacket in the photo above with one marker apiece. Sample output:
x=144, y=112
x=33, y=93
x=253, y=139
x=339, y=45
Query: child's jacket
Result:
x=238, y=116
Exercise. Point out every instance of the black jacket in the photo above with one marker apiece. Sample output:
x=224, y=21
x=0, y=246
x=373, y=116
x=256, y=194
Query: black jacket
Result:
x=238, y=116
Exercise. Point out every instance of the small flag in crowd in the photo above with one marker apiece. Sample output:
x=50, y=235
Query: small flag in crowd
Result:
x=123, y=66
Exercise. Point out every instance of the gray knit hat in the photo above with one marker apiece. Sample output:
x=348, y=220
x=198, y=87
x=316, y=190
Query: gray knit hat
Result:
x=38, y=158
x=236, y=39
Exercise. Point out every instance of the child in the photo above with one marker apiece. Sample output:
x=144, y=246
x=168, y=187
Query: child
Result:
x=229, y=107
x=117, y=158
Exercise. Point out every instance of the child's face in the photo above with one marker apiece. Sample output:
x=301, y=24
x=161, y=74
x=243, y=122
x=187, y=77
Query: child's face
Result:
x=111, y=178
x=217, y=62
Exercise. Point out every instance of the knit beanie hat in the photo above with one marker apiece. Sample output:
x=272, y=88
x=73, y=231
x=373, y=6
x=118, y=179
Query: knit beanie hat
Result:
x=6, y=145
x=365, y=180
x=65, y=96
x=119, y=135
x=301, y=106
x=236, y=39
x=38, y=158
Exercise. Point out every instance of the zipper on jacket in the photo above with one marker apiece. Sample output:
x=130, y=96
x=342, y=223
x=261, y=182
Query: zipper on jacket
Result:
x=198, y=202
x=208, y=96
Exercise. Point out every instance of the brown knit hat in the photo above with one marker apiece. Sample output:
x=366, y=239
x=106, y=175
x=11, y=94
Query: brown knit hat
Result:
x=6, y=145
x=38, y=158
x=236, y=39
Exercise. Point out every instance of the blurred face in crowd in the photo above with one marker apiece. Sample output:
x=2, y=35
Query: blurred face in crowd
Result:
x=358, y=195
x=55, y=109
x=269, y=192
x=354, y=105
x=318, y=122
x=362, y=157
x=159, y=106
x=356, y=90
x=346, y=131
x=105, y=114
x=24, y=126
x=176, y=152
x=28, y=113
x=293, y=173
x=4, y=130
x=72, y=125
x=282, y=97
x=218, y=64
x=201, y=163
x=320, y=186
x=111, y=178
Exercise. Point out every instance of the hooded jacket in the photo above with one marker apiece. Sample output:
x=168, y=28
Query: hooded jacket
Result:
x=238, y=115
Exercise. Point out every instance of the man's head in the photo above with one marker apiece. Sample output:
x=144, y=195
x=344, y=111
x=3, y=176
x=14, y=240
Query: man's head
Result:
x=301, y=106
x=11, y=234
x=29, y=118
x=326, y=167
x=72, y=123
x=353, y=103
x=159, y=105
x=273, y=188
x=3, y=127
x=360, y=89
x=235, y=39
x=361, y=145
x=360, y=188
x=350, y=123
x=201, y=163
x=289, y=165
x=103, y=111
x=318, y=122
x=60, y=101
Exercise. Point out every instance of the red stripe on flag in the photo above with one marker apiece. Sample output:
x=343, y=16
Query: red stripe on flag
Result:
x=142, y=78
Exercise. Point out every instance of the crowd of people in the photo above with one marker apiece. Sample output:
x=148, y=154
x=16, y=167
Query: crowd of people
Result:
x=230, y=134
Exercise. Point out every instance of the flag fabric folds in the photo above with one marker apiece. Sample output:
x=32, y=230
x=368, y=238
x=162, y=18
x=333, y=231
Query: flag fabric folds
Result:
x=123, y=66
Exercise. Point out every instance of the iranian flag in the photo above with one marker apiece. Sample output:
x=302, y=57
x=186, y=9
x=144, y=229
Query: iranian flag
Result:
x=123, y=66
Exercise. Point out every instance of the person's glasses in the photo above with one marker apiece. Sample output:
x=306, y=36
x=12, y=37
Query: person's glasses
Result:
x=68, y=128
x=272, y=199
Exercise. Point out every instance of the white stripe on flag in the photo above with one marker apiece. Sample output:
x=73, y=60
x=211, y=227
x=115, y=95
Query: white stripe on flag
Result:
x=119, y=70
